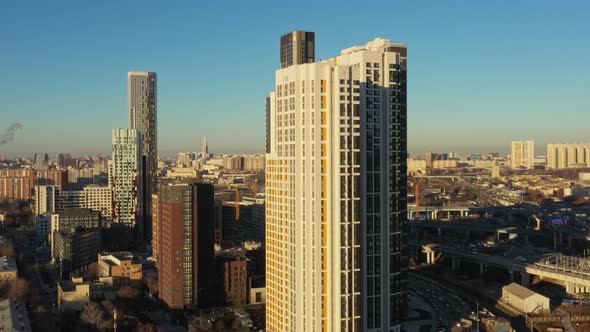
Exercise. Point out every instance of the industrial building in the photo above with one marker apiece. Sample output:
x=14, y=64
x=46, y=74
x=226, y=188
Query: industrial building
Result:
x=524, y=299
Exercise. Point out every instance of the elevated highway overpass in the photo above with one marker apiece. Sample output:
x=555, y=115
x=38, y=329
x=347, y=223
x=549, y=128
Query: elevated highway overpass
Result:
x=571, y=272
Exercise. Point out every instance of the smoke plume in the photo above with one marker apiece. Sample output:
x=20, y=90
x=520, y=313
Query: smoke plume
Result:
x=10, y=133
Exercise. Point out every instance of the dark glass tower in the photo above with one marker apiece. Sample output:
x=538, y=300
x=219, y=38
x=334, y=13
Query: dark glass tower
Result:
x=297, y=47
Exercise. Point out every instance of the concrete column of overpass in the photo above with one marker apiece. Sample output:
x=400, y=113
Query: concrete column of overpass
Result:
x=455, y=263
x=525, y=279
x=482, y=268
x=430, y=255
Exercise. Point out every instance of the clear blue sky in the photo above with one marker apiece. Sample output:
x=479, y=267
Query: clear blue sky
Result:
x=481, y=73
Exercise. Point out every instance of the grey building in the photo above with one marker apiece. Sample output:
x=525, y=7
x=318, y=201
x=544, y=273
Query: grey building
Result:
x=13, y=316
x=75, y=249
x=41, y=161
x=77, y=217
x=142, y=102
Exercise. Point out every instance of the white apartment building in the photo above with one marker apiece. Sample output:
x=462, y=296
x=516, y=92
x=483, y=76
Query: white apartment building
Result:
x=99, y=198
x=125, y=177
x=561, y=156
x=45, y=224
x=336, y=192
x=46, y=198
x=51, y=199
x=523, y=154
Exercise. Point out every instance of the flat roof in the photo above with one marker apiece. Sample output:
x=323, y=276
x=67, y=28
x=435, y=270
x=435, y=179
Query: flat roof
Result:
x=519, y=291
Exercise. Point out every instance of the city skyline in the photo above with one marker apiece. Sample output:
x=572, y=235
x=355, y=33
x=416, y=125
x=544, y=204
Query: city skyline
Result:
x=490, y=70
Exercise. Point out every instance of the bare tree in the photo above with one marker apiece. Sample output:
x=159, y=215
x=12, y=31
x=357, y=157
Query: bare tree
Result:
x=128, y=292
x=92, y=271
x=152, y=284
x=93, y=315
x=7, y=250
x=219, y=325
x=18, y=289
x=146, y=327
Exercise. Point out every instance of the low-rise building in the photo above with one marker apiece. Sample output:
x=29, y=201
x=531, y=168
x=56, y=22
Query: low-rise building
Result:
x=524, y=299
x=443, y=164
x=235, y=280
x=79, y=217
x=74, y=294
x=119, y=264
x=8, y=271
x=13, y=316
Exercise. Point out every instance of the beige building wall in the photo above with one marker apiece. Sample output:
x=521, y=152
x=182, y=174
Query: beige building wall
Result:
x=562, y=156
x=523, y=154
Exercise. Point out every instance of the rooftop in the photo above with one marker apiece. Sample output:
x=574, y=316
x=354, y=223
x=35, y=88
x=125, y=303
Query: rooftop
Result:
x=13, y=316
x=376, y=44
x=519, y=291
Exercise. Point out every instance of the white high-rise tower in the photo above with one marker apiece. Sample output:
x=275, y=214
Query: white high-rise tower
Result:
x=523, y=154
x=336, y=192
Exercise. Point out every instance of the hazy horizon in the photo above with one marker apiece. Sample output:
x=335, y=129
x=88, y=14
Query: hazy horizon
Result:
x=480, y=74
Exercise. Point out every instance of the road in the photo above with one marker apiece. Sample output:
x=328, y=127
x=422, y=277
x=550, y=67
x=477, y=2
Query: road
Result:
x=447, y=309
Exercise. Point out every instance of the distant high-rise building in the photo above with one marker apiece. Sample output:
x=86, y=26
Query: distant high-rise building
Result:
x=65, y=160
x=126, y=179
x=142, y=101
x=523, y=155
x=16, y=184
x=336, y=193
x=52, y=177
x=205, y=148
x=297, y=47
x=61, y=158
x=561, y=156
x=495, y=170
x=41, y=161
x=186, y=244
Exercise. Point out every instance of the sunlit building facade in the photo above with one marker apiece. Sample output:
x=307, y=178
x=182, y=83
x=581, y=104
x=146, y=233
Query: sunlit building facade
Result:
x=336, y=193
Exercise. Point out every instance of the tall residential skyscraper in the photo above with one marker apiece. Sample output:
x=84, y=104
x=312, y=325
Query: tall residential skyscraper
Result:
x=523, y=154
x=126, y=179
x=337, y=194
x=142, y=100
x=186, y=244
x=297, y=47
